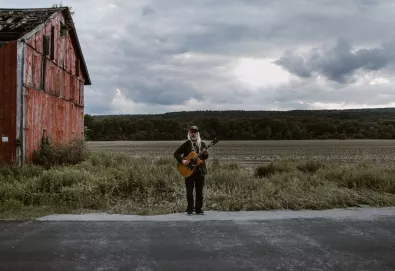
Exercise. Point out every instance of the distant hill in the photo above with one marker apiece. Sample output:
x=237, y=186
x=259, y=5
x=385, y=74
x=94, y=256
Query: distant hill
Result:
x=373, y=123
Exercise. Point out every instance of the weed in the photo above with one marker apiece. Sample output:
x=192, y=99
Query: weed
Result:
x=118, y=183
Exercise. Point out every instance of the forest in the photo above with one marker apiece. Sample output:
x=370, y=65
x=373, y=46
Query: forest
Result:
x=376, y=123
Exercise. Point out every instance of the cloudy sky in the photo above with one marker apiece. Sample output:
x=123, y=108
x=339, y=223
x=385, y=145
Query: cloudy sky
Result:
x=154, y=56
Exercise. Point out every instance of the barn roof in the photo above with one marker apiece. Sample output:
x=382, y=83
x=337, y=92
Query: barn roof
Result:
x=15, y=24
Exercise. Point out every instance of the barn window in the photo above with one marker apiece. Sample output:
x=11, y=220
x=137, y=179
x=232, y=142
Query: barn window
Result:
x=81, y=97
x=77, y=67
x=52, y=55
x=63, y=29
x=45, y=53
x=45, y=45
x=43, y=73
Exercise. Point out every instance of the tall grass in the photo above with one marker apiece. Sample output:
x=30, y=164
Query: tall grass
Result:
x=117, y=183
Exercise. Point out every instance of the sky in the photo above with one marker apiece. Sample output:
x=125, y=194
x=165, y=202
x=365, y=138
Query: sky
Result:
x=157, y=56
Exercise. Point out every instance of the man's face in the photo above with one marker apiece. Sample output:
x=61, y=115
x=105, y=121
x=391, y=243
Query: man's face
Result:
x=193, y=134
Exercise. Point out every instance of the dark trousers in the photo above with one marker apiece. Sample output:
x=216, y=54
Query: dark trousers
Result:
x=195, y=181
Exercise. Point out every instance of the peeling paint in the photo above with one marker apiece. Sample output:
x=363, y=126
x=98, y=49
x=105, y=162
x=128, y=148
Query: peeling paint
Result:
x=8, y=68
x=41, y=91
x=53, y=104
x=19, y=105
x=47, y=115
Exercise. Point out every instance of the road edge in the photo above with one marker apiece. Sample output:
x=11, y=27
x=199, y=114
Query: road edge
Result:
x=357, y=213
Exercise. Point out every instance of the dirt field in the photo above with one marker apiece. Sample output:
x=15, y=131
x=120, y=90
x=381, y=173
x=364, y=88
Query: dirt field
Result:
x=251, y=152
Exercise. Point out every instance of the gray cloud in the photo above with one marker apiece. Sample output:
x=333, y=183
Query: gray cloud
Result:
x=338, y=63
x=309, y=91
x=169, y=55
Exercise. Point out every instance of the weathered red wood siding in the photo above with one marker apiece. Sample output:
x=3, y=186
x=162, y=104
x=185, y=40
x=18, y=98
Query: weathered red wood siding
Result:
x=8, y=85
x=55, y=118
x=53, y=105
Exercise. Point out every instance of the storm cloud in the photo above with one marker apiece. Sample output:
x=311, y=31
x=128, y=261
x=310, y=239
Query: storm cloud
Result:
x=154, y=56
x=340, y=62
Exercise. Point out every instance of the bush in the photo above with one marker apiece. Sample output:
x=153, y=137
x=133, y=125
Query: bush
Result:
x=272, y=168
x=310, y=166
x=60, y=154
x=362, y=178
x=11, y=205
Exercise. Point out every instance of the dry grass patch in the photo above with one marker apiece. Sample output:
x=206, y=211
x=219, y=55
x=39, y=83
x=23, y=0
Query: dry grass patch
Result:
x=117, y=183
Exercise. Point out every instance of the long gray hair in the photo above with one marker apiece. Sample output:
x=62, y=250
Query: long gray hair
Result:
x=198, y=141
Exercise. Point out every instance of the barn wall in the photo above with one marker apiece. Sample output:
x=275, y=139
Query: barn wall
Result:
x=8, y=81
x=60, y=120
x=53, y=89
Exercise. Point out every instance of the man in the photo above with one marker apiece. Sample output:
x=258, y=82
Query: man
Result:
x=194, y=143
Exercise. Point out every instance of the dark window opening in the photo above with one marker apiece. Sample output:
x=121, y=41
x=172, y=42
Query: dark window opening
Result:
x=77, y=67
x=43, y=67
x=45, y=45
x=52, y=56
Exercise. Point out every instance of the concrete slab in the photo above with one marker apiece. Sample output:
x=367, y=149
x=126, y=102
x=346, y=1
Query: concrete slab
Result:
x=348, y=213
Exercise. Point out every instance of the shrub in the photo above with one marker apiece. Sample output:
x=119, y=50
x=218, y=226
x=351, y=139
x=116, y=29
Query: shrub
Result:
x=362, y=178
x=272, y=168
x=11, y=205
x=310, y=166
x=60, y=154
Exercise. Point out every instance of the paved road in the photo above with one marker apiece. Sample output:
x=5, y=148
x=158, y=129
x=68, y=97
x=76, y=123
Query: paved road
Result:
x=333, y=240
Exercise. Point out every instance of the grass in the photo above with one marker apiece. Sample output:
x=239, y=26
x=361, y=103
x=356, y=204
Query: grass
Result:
x=117, y=183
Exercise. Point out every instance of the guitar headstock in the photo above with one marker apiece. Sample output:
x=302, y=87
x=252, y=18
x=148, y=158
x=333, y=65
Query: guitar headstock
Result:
x=215, y=141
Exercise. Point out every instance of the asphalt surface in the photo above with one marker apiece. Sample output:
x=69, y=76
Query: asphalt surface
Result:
x=335, y=240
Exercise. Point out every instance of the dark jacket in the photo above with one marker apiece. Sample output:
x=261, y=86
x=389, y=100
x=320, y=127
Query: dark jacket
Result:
x=185, y=148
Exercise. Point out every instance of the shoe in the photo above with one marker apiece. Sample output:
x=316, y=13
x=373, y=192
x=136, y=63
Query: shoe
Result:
x=189, y=212
x=200, y=212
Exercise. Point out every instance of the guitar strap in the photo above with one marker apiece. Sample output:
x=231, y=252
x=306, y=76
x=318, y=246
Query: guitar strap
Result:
x=195, y=147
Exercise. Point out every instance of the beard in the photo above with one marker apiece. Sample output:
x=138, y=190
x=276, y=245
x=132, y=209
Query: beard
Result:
x=195, y=139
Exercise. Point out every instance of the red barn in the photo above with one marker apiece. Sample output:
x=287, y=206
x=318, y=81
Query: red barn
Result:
x=42, y=78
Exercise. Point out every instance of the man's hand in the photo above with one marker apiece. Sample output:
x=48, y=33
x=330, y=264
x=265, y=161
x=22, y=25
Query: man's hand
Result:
x=185, y=162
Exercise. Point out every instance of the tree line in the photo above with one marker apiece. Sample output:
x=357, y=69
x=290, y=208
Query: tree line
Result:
x=246, y=125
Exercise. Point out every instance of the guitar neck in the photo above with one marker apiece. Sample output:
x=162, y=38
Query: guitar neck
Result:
x=208, y=146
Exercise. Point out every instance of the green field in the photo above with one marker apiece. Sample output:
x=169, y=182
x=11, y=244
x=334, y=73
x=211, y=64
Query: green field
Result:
x=255, y=152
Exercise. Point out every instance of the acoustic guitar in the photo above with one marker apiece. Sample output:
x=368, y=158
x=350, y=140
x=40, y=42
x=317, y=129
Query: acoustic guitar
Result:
x=194, y=161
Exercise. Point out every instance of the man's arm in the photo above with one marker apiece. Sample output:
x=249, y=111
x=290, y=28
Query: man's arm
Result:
x=178, y=154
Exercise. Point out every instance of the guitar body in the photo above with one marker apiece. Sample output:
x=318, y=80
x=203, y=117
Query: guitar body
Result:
x=194, y=161
x=188, y=170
